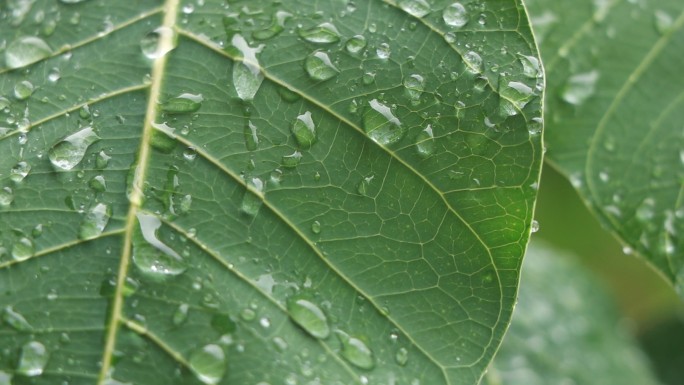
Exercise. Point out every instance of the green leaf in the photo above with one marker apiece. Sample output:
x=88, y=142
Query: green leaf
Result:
x=251, y=192
x=566, y=330
x=615, y=108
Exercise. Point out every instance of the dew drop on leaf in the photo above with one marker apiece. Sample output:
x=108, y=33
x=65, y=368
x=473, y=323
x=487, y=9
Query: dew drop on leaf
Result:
x=414, y=86
x=23, y=90
x=474, y=61
x=33, y=359
x=425, y=143
x=98, y=183
x=309, y=316
x=383, y=51
x=323, y=33
x=401, y=357
x=23, y=249
x=355, y=44
x=208, y=364
x=455, y=15
x=251, y=137
x=6, y=196
x=69, y=151
x=381, y=125
x=319, y=66
x=19, y=171
x=181, y=314
x=183, y=104
x=95, y=221
x=152, y=44
x=292, y=160
x=417, y=8
x=26, y=50
x=250, y=201
x=316, y=227
x=247, y=76
x=304, y=130
x=355, y=351
x=531, y=66
x=15, y=320
x=151, y=255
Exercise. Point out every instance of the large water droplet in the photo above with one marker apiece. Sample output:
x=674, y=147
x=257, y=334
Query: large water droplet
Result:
x=474, y=62
x=68, y=152
x=531, y=66
x=33, y=359
x=292, y=160
x=425, y=143
x=23, y=90
x=455, y=15
x=19, y=171
x=355, y=44
x=277, y=26
x=247, y=76
x=26, y=50
x=209, y=364
x=383, y=51
x=15, y=320
x=152, y=256
x=181, y=314
x=417, y=8
x=23, y=249
x=381, y=125
x=414, y=85
x=251, y=202
x=158, y=42
x=309, y=316
x=580, y=87
x=304, y=130
x=6, y=196
x=95, y=221
x=319, y=66
x=323, y=33
x=356, y=351
x=183, y=103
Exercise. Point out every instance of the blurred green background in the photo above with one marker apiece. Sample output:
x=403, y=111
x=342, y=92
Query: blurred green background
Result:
x=650, y=306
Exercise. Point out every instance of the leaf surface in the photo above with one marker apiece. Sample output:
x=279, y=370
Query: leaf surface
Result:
x=566, y=329
x=252, y=192
x=615, y=108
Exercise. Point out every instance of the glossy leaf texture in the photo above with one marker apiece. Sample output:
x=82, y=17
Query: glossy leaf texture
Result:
x=263, y=192
x=566, y=330
x=615, y=108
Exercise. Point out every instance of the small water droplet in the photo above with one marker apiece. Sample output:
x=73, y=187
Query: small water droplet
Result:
x=363, y=186
x=309, y=316
x=381, y=125
x=304, y=130
x=98, y=183
x=183, y=103
x=248, y=314
x=356, y=351
x=6, y=196
x=251, y=202
x=208, y=364
x=15, y=320
x=150, y=254
x=323, y=33
x=95, y=221
x=663, y=21
x=54, y=75
x=247, y=75
x=455, y=15
x=474, y=62
x=33, y=359
x=368, y=78
x=414, y=86
x=319, y=66
x=158, y=43
x=23, y=249
x=292, y=160
x=275, y=28
x=69, y=151
x=425, y=143
x=190, y=154
x=26, y=50
x=580, y=87
x=417, y=8
x=383, y=51
x=251, y=137
x=645, y=212
x=20, y=171
x=402, y=356
x=534, y=227
x=531, y=66
x=23, y=90
x=316, y=227
x=355, y=44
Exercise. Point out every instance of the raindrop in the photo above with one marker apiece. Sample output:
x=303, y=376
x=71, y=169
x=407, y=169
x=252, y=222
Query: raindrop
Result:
x=646, y=210
x=414, y=85
x=304, y=130
x=455, y=15
x=98, y=183
x=23, y=249
x=292, y=160
x=417, y=8
x=402, y=356
x=26, y=50
x=95, y=221
x=163, y=137
x=663, y=21
x=183, y=103
x=248, y=314
x=319, y=66
x=425, y=143
x=251, y=137
x=19, y=172
x=69, y=151
x=181, y=314
x=381, y=125
x=6, y=196
x=368, y=78
x=309, y=316
x=23, y=90
x=158, y=43
x=208, y=364
x=534, y=227
x=54, y=75
x=363, y=186
x=33, y=359
x=355, y=44
x=277, y=26
x=356, y=351
x=102, y=160
x=323, y=33
x=316, y=227
x=531, y=66
x=15, y=320
x=247, y=76
x=190, y=154
x=383, y=51
x=474, y=61
x=580, y=87
x=152, y=256
x=250, y=201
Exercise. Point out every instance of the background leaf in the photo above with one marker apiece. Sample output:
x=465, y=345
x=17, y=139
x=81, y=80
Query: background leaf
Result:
x=614, y=111
x=565, y=330
x=253, y=191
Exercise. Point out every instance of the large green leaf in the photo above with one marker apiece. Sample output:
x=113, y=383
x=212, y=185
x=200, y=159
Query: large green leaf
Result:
x=566, y=330
x=615, y=108
x=300, y=192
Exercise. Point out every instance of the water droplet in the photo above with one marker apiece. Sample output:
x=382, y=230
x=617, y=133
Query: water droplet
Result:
x=474, y=62
x=54, y=75
x=381, y=125
x=23, y=90
x=414, y=85
x=363, y=186
x=33, y=359
x=304, y=130
x=26, y=50
x=455, y=15
x=275, y=28
x=248, y=314
x=356, y=351
x=19, y=172
x=288, y=95
x=69, y=151
x=158, y=43
x=98, y=183
x=309, y=316
x=402, y=356
x=531, y=66
x=6, y=196
x=534, y=227
x=518, y=93
x=646, y=210
x=417, y=8
x=292, y=160
x=280, y=343
x=425, y=143
x=15, y=320
x=383, y=51
x=251, y=137
x=150, y=254
x=319, y=66
x=102, y=160
x=316, y=227
x=368, y=78
x=208, y=364
x=355, y=44
x=23, y=249
x=163, y=137
x=181, y=314
x=251, y=202
x=247, y=76
x=663, y=21
x=190, y=154
x=323, y=33
x=580, y=87
x=183, y=103
x=95, y=221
